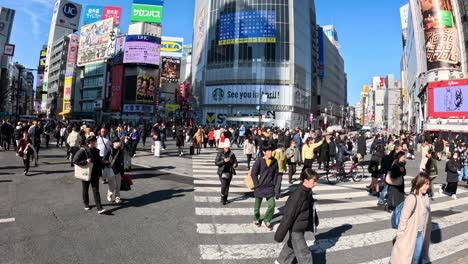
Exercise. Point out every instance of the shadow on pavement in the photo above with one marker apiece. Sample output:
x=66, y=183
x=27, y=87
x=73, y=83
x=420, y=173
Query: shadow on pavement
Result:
x=5, y=181
x=36, y=172
x=150, y=198
x=329, y=240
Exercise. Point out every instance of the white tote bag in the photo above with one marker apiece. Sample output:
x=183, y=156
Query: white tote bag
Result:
x=84, y=172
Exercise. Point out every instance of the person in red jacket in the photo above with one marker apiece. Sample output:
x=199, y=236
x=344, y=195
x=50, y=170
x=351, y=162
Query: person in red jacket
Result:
x=211, y=137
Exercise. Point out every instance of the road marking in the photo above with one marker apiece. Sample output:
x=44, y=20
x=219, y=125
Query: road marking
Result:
x=259, y=251
x=7, y=220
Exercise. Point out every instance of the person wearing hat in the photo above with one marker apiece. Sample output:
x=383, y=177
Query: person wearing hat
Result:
x=226, y=162
x=73, y=140
x=264, y=176
x=87, y=155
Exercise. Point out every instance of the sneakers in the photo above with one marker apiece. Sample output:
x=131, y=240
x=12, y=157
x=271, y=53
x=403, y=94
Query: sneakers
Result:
x=118, y=200
x=454, y=196
x=102, y=210
x=257, y=223
x=87, y=208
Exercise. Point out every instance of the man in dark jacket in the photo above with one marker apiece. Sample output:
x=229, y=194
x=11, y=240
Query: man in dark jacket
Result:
x=90, y=155
x=362, y=147
x=299, y=216
x=324, y=154
x=264, y=176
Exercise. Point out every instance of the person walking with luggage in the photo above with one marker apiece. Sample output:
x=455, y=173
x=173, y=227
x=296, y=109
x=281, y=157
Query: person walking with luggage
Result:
x=227, y=163
x=25, y=151
x=414, y=229
x=396, y=181
x=264, y=176
x=90, y=155
x=293, y=156
x=452, y=168
x=299, y=217
x=249, y=150
x=280, y=156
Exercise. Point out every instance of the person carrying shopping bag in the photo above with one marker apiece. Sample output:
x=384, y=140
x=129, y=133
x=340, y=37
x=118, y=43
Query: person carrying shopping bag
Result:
x=299, y=217
x=226, y=162
x=264, y=176
x=414, y=228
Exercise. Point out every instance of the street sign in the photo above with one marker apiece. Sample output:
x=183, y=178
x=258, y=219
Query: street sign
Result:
x=146, y=13
x=9, y=50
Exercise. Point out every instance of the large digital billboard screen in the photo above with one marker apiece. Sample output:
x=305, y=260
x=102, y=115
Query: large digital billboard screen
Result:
x=142, y=49
x=446, y=99
x=170, y=69
x=94, y=42
x=146, y=85
x=258, y=26
x=441, y=35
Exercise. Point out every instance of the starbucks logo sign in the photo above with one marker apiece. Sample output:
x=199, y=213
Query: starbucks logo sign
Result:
x=218, y=94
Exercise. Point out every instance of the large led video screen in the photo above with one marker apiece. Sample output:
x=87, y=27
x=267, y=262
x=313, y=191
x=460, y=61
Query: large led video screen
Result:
x=258, y=26
x=446, y=99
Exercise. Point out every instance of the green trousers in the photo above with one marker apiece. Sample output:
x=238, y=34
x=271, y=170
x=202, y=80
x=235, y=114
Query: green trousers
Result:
x=268, y=213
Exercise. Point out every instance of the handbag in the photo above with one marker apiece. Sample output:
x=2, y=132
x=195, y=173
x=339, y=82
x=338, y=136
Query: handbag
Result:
x=248, y=182
x=84, y=172
x=393, y=181
x=226, y=175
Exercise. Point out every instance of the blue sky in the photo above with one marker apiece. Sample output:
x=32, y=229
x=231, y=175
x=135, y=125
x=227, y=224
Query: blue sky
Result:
x=369, y=32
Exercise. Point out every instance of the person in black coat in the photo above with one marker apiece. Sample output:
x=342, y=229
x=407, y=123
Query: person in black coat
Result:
x=453, y=170
x=179, y=137
x=115, y=160
x=324, y=154
x=88, y=155
x=396, y=193
x=299, y=217
x=226, y=162
x=362, y=147
x=332, y=150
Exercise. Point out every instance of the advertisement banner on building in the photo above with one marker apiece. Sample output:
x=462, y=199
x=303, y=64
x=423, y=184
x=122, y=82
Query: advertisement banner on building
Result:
x=199, y=37
x=114, y=12
x=382, y=82
x=119, y=50
x=257, y=26
x=67, y=90
x=441, y=35
x=446, y=99
x=248, y=94
x=116, y=90
x=72, y=48
x=146, y=13
x=67, y=14
x=92, y=13
x=146, y=85
x=138, y=108
x=142, y=49
x=187, y=91
x=171, y=47
x=40, y=81
x=42, y=58
x=94, y=42
x=149, y=2
x=170, y=69
x=321, y=53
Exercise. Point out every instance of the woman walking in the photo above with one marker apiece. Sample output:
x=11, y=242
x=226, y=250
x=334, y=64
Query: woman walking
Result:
x=249, y=150
x=299, y=217
x=116, y=163
x=396, y=183
x=414, y=230
x=198, y=140
x=293, y=156
x=375, y=168
x=90, y=155
x=179, y=137
x=211, y=138
x=431, y=170
x=280, y=157
x=264, y=176
x=25, y=150
x=453, y=171
x=226, y=162
x=157, y=143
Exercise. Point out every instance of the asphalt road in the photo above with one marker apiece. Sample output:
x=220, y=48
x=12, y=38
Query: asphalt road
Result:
x=155, y=224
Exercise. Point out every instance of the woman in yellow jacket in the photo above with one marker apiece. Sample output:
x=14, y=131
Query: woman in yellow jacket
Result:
x=280, y=157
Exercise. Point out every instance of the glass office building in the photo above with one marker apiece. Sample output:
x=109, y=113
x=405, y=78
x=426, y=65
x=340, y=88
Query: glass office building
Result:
x=254, y=58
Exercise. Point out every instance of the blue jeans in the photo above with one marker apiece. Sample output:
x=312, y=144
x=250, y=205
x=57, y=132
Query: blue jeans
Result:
x=383, y=193
x=417, y=255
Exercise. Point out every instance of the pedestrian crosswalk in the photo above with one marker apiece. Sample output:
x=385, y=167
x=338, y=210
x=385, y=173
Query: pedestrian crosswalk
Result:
x=350, y=220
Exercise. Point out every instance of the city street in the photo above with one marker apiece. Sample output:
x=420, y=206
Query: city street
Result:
x=171, y=218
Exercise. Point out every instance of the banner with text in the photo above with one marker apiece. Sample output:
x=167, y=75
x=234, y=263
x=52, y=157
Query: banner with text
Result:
x=116, y=92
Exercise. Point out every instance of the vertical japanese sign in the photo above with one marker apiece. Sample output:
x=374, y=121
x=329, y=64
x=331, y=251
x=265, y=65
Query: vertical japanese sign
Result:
x=441, y=35
x=114, y=12
x=116, y=93
x=67, y=88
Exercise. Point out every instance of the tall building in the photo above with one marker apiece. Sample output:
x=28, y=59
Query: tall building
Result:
x=6, y=24
x=20, y=97
x=65, y=21
x=56, y=73
x=434, y=63
x=241, y=75
x=333, y=80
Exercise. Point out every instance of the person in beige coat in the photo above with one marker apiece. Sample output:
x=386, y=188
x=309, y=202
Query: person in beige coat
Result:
x=414, y=231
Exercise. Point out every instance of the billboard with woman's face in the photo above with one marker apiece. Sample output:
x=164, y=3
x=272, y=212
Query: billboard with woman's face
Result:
x=146, y=85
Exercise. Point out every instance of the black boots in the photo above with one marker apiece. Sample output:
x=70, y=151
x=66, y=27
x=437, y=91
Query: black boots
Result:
x=224, y=199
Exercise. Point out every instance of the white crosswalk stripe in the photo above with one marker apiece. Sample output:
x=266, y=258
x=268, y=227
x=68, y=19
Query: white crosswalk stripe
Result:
x=232, y=228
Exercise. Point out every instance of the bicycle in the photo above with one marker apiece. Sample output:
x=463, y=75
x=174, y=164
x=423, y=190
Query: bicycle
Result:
x=355, y=172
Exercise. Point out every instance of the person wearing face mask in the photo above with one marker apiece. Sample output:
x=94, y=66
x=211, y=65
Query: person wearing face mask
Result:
x=396, y=188
x=116, y=163
x=452, y=168
x=414, y=229
x=84, y=156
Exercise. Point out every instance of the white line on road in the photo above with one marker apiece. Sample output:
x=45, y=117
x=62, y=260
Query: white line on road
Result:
x=7, y=220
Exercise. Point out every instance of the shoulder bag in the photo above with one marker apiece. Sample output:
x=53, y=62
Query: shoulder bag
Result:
x=393, y=181
x=108, y=172
x=84, y=172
